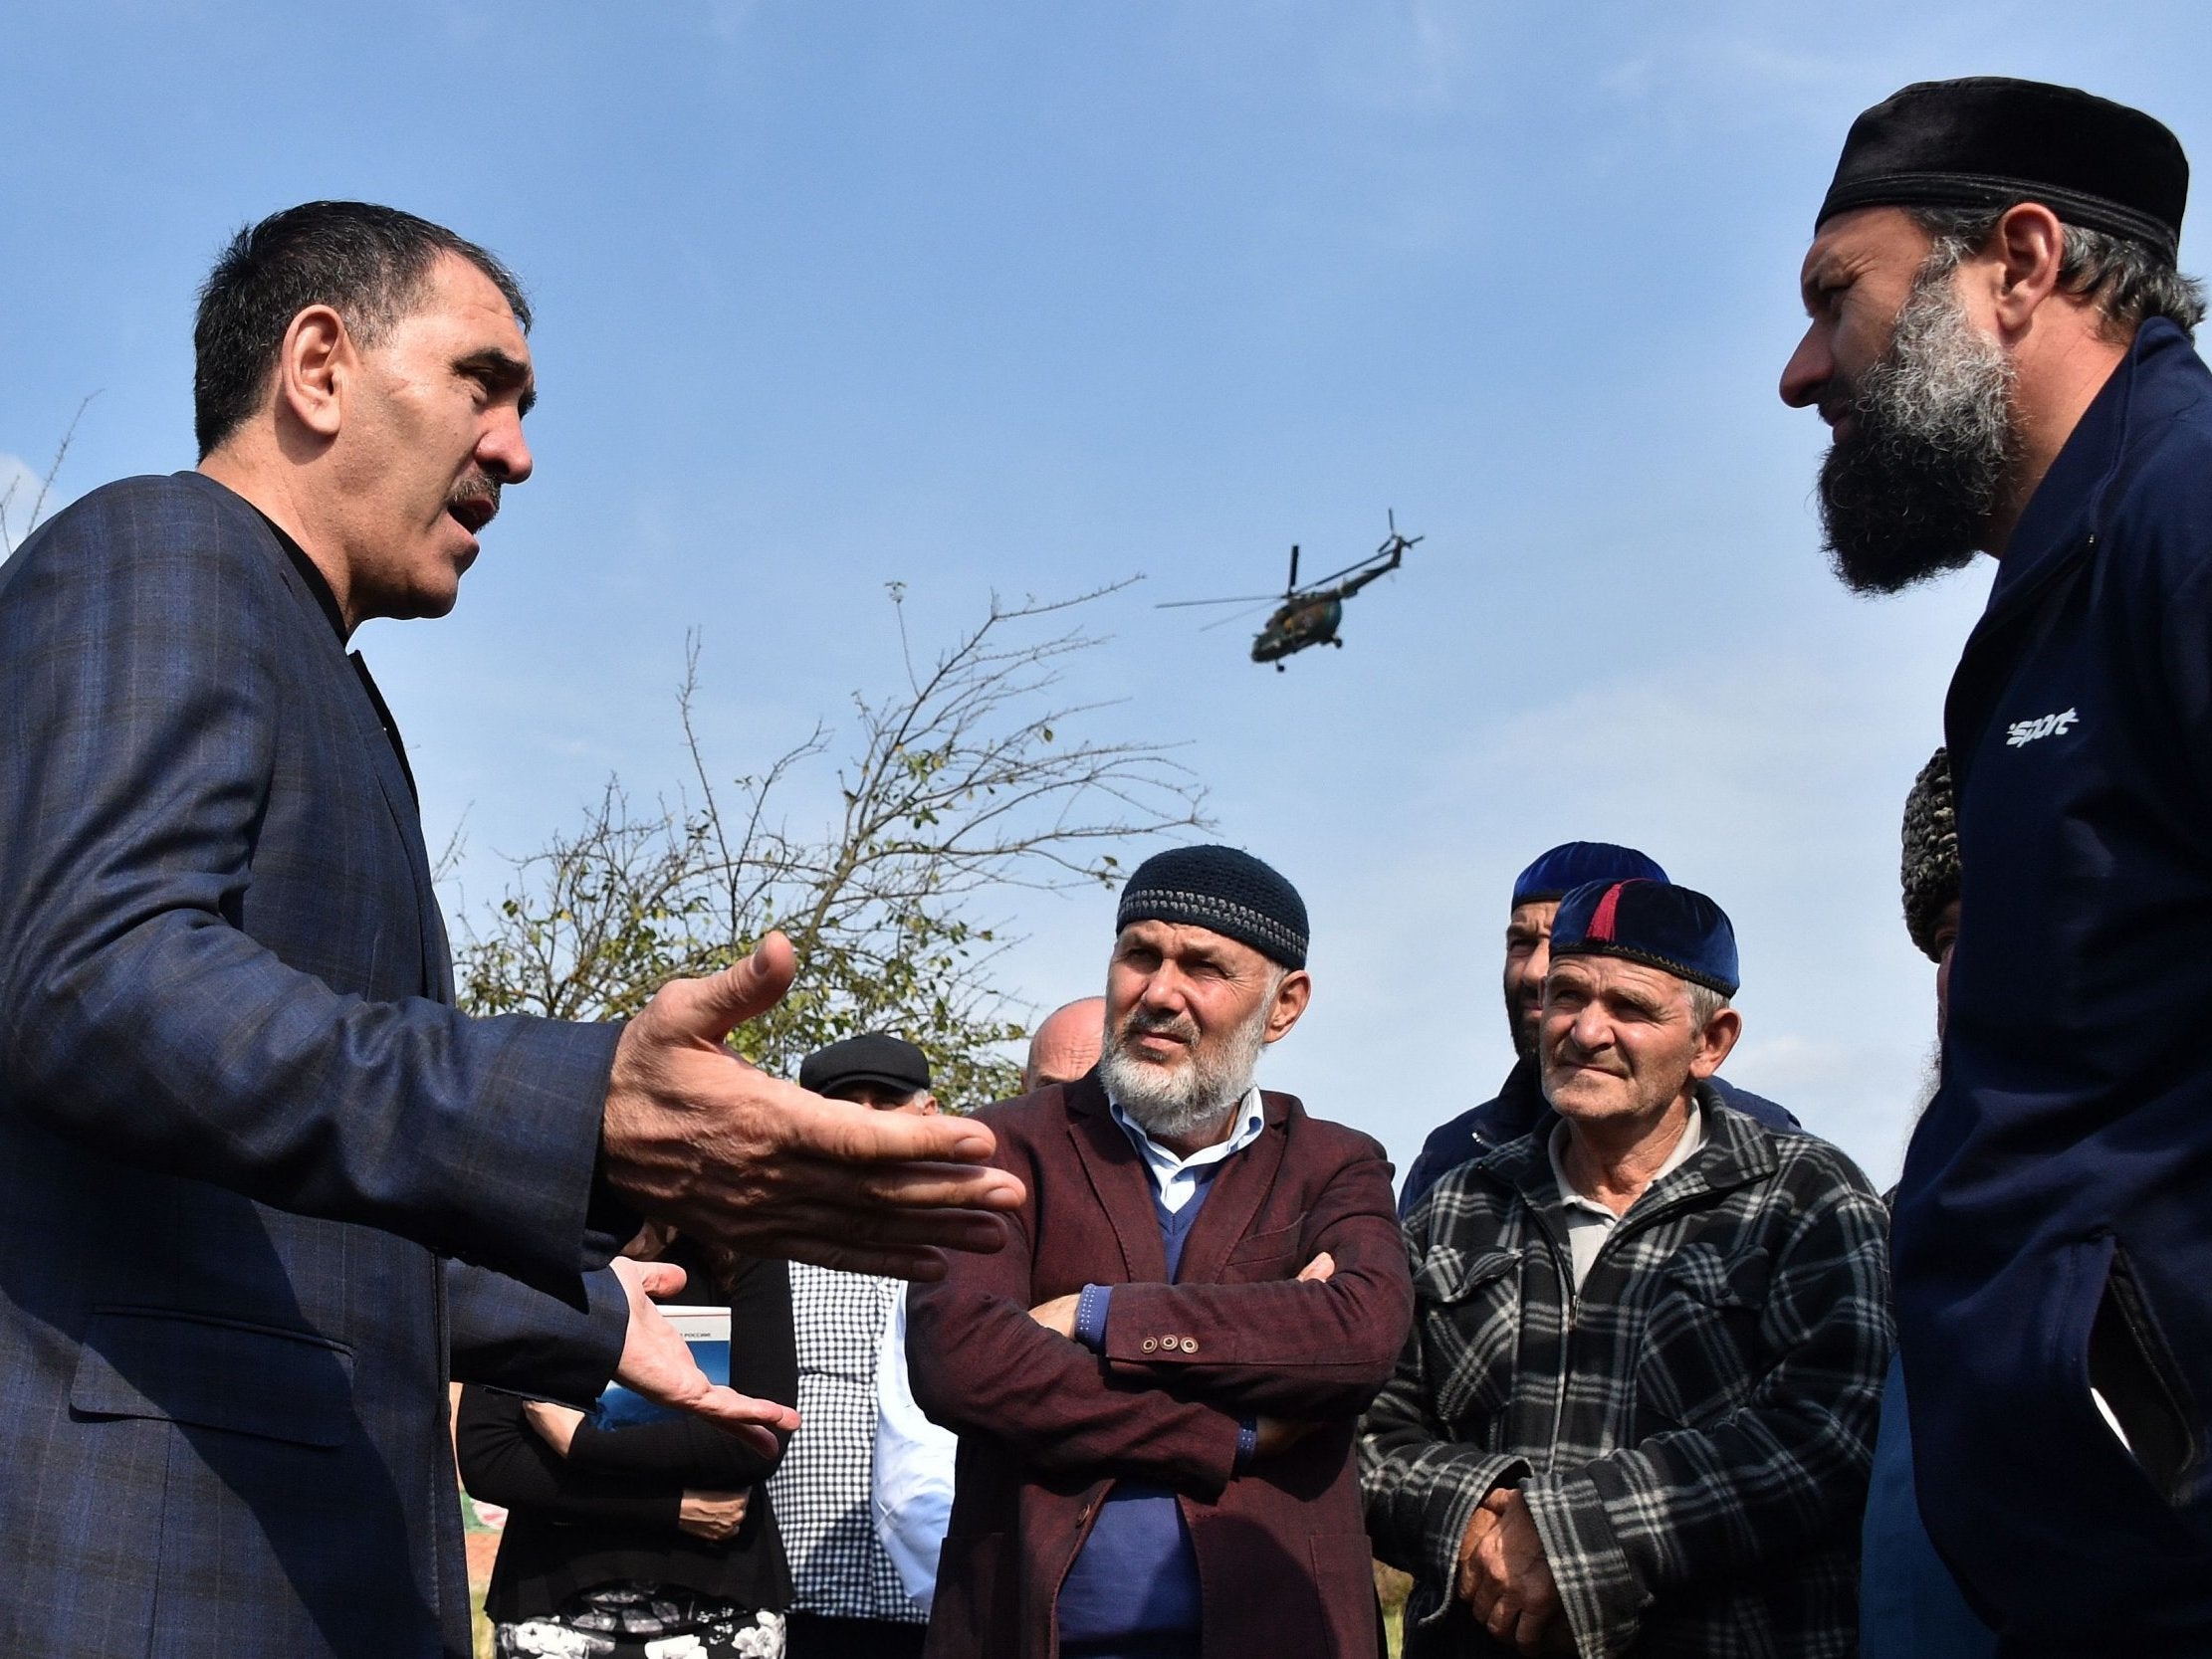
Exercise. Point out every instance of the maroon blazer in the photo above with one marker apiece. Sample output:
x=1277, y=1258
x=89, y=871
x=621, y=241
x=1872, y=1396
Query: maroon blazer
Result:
x=1046, y=1426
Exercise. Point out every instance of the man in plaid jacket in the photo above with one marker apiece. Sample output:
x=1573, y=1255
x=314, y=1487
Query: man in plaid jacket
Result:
x=1637, y=1409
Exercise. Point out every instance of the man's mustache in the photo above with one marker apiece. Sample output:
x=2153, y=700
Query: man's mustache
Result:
x=1179, y=1026
x=476, y=489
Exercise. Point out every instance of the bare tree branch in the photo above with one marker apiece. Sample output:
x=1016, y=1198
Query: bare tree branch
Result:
x=973, y=780
x=9, y=541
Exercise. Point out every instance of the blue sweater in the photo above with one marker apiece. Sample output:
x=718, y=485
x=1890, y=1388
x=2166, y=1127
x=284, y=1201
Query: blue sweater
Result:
x=1137, y=1579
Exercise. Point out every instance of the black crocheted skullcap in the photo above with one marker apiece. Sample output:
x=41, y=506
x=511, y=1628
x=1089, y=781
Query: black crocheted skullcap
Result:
x=1224, y=891
x=1989, y=141
x=1929, y=869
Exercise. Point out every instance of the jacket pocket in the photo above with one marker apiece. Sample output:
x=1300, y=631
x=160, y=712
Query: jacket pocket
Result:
x=1266, y=1256
x=1470, y=1302
x=181, y=1368
x=1701, y=1353
x=2133, y=1371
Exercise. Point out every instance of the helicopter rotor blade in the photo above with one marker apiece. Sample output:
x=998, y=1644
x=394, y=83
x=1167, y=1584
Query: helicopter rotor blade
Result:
x=1238, y=616
x=1348, y=570
x=1240, y=599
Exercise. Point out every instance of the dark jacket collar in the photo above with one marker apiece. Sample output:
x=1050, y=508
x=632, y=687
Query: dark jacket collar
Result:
x=2160, y=375
x=1123, y=1186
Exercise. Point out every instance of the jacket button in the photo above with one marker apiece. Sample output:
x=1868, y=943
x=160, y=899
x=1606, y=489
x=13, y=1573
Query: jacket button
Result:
x=1190, y=1345
x=1149, y=1342
x=1167, y=1340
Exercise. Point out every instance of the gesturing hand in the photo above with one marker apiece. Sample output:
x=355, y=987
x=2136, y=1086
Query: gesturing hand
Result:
x=695, y=1136
x=1506, y=1578
x=657, y=1363
x=713, y=1516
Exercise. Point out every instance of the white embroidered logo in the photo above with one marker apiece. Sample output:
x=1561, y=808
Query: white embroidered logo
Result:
x=2050, y=726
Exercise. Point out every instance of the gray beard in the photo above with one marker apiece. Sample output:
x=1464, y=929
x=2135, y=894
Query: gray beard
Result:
x=1194, y=1098
x=1910, y=494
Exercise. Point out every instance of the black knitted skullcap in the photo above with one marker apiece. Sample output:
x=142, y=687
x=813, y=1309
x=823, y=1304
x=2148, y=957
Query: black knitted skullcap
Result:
x=1988, y=141
x=1224, y=891
x=1929, y=869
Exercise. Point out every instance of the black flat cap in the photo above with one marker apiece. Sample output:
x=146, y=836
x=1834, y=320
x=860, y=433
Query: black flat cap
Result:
x=872, y=1057
x=1988, y=141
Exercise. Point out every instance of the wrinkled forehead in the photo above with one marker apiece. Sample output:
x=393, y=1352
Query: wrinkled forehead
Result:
x=1535, y=917
x=1182, y=941
x=1603, y=974
x=1865, y=237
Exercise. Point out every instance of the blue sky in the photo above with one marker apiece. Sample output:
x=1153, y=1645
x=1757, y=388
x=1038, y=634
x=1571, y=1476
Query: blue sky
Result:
x=1027, y=298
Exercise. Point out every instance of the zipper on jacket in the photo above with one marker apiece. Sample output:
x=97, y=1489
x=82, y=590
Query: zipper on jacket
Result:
x=1571, y=1298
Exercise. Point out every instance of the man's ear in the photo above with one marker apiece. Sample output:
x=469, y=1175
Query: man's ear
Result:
x=2028, y=246
x=1291, y=997
x=927, y=1104
x=1721, y=1034
x=315, y=366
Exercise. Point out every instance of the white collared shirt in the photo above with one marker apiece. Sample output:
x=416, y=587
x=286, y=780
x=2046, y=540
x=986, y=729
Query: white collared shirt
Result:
x=1590, y=1223
x=1174, y=1178
x=913, y=1478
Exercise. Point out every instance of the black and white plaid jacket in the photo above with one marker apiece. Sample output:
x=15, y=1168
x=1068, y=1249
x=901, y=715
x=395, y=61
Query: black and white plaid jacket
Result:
x=1693, y=1429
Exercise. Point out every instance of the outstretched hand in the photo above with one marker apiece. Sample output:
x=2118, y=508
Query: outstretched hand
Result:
x=696, y=1136
x=657, y=1363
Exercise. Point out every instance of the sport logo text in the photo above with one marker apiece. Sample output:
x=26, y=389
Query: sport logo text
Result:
x=2050, y=726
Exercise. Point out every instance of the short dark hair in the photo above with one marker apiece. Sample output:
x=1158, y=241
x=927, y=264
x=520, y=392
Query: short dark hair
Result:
x=368, y=264
x=2127, y=280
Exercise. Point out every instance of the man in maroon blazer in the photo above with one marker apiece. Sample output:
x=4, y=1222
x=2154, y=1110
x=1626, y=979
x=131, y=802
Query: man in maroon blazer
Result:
x=1155, y=1383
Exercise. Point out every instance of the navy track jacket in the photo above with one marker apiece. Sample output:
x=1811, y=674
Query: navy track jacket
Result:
x=2054, y=1228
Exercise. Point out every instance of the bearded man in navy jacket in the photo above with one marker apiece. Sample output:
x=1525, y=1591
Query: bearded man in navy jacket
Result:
x=2000, y=340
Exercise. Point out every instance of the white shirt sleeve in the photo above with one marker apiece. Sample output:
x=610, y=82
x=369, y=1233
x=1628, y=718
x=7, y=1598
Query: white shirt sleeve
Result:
x=914, y=1469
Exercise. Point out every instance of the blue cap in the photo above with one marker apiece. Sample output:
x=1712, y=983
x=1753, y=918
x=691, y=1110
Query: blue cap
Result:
x=1653, y=923
x=1566, y=867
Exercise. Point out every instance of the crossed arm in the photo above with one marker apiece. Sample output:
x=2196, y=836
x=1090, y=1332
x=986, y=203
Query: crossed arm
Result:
x=983, y=1365
x=1308, y=1345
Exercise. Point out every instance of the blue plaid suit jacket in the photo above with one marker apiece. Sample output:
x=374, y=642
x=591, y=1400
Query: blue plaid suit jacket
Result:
x=242, y=1129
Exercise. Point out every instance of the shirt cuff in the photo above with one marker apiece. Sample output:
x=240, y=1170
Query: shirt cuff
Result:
x=1248, y=1444
x=1091, y=1308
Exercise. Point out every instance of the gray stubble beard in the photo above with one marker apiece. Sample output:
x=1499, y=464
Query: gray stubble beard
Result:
x=1191, y=1100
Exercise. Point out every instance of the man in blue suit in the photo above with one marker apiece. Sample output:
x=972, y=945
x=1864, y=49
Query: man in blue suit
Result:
x=246, y=1142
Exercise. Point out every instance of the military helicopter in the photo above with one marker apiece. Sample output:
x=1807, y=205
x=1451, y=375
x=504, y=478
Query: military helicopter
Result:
x=1311, y=615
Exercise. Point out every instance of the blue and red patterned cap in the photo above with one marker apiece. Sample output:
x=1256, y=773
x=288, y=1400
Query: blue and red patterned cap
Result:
x=1657, y=923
